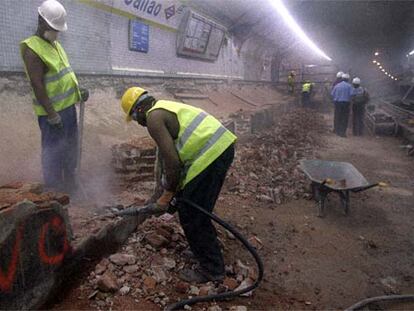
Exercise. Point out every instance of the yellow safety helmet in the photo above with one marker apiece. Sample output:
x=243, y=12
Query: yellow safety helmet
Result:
x=129, y=99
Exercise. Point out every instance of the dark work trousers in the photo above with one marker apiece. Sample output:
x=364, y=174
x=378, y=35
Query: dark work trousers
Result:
x=306, y=99
x=358, y=115
x=198, y=228
x=341, y=118
x=60, y=151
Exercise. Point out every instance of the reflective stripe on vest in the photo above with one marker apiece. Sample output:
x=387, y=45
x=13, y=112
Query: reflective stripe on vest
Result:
x=60, y=81
x=59, y=97
x=58, y=75
x=201, y=138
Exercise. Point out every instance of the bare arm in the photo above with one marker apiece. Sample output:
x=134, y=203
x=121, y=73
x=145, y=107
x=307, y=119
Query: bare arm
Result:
x=36, y=70
x=158, y=130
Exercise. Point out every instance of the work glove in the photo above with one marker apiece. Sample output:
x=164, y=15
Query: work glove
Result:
x=165, y=199
x=55, y=122
x=84, y=94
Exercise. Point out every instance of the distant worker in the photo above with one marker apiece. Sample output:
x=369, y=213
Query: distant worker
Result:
x=307, y=89
x=55, y=93
x=341, y=95
x=338, y=78
x=359, y=99
x=291, y=82
x=196, y=150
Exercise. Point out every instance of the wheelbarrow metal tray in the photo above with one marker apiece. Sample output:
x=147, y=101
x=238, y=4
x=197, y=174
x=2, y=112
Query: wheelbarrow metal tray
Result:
x=319, y=171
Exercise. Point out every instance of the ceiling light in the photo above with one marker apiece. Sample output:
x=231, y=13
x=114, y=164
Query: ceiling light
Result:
x=376, y=53
x=411, y=53
x=284, y=13
x=374, y=61
x=380, y=67
x=378, y=63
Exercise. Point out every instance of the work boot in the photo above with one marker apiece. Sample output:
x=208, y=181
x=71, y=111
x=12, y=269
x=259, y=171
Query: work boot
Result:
x=198, y=276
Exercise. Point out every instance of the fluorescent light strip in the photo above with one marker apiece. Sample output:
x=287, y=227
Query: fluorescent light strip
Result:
x=284, y=13
x=411, y=53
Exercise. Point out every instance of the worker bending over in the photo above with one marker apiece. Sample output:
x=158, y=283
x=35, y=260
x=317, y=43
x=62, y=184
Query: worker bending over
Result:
x=55, y=93
x=307, y=89
x=360, y=97
x=197, y=150
x=341, y=95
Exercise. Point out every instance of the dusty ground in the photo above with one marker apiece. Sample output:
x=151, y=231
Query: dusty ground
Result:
x=322, y=263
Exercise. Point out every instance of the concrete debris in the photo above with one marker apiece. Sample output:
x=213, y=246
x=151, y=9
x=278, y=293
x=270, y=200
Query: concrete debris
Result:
x=266, y=166
x=194, y=291
x=107, y=282
x=238, y=308
x=245, y=284
x=215, y=308
x=125, y=290
x=147, y=267
x=169, y=263
x=182, y=287
x=150, y=282
x=122, y=259
x=230, y=283
x=156, y=240
x=256, y=242
x=13, y=193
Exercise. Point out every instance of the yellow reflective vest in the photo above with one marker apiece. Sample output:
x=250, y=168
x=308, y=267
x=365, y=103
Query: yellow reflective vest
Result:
x=60, y=80
x=306, y=88
x=201, y=138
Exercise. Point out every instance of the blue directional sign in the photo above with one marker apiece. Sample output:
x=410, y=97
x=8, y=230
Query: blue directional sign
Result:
x=138, y=36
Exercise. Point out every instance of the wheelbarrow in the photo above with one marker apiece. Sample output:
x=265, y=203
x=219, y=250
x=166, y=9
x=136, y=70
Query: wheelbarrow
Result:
x=331, y=176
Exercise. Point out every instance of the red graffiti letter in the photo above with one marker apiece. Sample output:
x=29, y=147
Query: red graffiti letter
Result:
x=57, y=225
x=7, y=279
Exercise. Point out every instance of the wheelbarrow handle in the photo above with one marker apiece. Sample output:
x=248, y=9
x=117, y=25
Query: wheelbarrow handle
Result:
x=379, y=184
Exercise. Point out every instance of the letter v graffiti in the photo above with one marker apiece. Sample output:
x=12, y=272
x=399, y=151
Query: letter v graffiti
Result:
x=7, y=276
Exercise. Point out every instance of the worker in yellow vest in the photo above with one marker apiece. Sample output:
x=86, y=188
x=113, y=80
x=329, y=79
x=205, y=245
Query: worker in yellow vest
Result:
x=55, y=93
x=197, y=150
x=291, y=82
x=307, y=89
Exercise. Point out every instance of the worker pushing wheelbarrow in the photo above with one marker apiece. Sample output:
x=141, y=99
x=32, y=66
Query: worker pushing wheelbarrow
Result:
x=331, y=176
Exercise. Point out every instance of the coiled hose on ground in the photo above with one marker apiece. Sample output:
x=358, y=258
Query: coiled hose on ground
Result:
x=226, y=295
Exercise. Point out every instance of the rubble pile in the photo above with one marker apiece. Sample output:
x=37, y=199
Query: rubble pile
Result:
x=266, y=166
x=147, y=267
x=13, y=193
x=135, y=160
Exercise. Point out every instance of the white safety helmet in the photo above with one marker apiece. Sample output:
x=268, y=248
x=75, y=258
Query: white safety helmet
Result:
x=356, y=81
x=345, y=76
x=54, y=14
x=339, y=74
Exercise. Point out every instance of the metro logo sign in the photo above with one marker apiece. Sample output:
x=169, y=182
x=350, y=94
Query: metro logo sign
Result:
x=150, y=10
x=170, y=12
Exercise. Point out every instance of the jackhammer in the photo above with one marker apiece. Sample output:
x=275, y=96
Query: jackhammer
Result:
x=153, y=209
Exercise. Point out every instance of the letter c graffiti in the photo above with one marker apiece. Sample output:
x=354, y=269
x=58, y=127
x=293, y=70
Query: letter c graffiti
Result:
x=7, y=278
x=58, y=226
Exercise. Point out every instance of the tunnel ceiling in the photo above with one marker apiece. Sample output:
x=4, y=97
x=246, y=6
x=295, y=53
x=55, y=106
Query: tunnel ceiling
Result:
x=344, y=29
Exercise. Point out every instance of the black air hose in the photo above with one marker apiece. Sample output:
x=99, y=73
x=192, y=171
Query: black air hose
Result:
x=395, y=298
x=250, y=248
